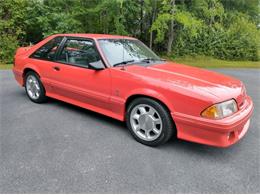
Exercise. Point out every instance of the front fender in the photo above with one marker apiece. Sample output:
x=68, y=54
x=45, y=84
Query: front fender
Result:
x=153, y=94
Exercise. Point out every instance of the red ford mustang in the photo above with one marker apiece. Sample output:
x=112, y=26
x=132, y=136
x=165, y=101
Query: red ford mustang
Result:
x=120, y=77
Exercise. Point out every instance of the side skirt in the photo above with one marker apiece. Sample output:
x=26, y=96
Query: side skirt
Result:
x=86, y=106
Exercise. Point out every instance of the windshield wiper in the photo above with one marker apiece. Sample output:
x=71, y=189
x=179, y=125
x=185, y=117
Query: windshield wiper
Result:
x=123, y=62
x=148, y=60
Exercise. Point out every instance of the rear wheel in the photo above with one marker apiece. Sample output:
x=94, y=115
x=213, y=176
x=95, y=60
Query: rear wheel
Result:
x=149, y=122
x=34, y=88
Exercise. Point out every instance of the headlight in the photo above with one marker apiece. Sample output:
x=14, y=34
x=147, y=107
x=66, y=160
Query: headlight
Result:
x=220, y=110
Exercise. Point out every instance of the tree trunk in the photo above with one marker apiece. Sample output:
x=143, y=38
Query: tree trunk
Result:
x=170, y=39
x=141, y=18
x=171, y=32
x=151, y=40
x=153, y=18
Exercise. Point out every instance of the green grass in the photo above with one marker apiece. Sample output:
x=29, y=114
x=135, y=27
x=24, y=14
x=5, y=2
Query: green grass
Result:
x=198, y=61
x=208, y=62
x=5, y=66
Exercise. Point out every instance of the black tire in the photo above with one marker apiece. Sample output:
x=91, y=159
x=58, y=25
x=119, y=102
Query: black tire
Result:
x=168, y=126
x=42, y=97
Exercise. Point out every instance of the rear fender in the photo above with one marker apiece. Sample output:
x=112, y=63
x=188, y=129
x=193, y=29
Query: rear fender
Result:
x=22, y=50
x=33, y=68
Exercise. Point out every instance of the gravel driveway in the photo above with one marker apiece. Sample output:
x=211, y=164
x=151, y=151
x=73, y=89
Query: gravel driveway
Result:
x=59, y=148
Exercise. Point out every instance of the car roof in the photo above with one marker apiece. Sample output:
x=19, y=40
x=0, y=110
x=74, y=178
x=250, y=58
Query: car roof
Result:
x=96, y=36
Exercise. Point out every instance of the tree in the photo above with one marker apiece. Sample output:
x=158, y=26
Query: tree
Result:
x=153, y=15
x=225, y=29
x=12, y=14
x=172, y=19
x=171, y=27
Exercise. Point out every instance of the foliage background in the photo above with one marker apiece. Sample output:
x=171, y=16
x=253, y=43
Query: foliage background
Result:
x=223, y=29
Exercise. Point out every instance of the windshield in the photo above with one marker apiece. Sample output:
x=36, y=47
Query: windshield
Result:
x=122, y=51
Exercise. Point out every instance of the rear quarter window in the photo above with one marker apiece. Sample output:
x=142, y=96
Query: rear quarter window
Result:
x=48, y=50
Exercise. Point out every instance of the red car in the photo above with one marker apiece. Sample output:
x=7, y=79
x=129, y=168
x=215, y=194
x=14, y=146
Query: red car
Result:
x=120, y=77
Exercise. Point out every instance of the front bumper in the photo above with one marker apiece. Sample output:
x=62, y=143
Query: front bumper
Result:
x=220, y=133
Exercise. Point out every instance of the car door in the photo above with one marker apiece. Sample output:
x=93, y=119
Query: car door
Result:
x=73, y=79
x=43, y=59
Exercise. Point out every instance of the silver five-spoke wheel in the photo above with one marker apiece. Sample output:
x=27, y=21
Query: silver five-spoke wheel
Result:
x=149, y=121
x=33, y=87
x=146, y=122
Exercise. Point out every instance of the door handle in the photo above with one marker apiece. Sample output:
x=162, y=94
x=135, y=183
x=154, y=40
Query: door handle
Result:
x=56, y=68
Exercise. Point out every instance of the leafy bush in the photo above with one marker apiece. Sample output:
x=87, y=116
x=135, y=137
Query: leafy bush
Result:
x=238, y=41
x=8, y=45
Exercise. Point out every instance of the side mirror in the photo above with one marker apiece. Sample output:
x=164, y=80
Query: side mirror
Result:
x=96, y=65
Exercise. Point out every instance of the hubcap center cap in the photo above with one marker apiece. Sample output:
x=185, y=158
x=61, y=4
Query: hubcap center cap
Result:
x=146, y=122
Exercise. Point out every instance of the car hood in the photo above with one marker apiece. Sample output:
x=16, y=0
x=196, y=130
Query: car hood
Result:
x=195, y=80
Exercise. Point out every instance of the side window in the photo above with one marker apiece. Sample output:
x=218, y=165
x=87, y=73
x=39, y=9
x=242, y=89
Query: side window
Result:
x=47, y=51
x=79, y=52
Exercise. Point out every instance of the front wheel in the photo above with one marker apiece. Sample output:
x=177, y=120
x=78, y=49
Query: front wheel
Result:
x=149, y=122
x=34, y=88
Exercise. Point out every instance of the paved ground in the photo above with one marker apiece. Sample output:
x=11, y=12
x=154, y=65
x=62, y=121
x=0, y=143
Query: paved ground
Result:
x=59, y=148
